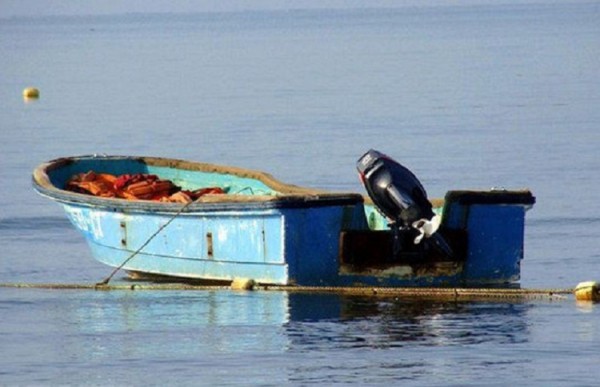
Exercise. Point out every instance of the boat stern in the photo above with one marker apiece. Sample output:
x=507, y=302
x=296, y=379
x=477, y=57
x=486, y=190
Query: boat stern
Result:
x=494, y=224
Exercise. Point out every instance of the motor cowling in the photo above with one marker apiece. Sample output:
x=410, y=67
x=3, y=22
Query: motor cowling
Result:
x=394, y=189
x=401, y=197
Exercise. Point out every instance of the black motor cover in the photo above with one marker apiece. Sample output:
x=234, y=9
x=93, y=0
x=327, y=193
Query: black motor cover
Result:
x=394, y=189
x=399, y=195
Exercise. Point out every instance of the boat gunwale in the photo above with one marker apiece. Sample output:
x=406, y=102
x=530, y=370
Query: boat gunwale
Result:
x=289, y=196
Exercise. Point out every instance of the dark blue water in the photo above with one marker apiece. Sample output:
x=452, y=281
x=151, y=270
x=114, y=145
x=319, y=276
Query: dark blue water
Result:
x=466, y=96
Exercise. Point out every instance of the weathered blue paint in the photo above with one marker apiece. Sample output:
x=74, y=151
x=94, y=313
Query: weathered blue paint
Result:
x=216, y=245
x=495, y=232
x=280, y=234
x=312, y=242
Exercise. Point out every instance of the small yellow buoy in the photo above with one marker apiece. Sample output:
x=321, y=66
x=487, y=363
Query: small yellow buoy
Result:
x=587, y=291
x=242, y=284
x=31, y=93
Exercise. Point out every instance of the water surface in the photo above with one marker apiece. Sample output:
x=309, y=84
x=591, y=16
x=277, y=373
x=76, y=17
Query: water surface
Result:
x=465, y=96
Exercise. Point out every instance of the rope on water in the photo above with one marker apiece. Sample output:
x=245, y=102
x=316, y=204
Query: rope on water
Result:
x=434, y=293
x=451, y=294
x=101, y=286
x=107, y=279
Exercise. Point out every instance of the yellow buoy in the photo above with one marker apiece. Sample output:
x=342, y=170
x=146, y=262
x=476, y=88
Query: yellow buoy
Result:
x=587, y=291
x=31, y=93
x=242, y=284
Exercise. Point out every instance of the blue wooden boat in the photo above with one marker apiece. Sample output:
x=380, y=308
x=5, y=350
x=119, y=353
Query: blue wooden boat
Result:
x=277, y=233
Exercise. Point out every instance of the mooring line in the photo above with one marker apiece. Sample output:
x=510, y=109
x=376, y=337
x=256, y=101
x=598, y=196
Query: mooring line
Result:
x=132, y=286
x=455, y=294
x=107, y=279
x=434, y=293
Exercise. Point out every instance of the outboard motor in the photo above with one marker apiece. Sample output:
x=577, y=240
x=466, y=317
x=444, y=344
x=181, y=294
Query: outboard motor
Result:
x=399, y=195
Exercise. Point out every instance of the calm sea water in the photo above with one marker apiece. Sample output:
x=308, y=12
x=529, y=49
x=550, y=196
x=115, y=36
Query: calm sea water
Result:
x=465, y=96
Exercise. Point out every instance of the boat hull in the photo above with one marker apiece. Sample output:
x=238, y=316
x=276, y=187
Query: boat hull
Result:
x=265, y=244
x=292, y=236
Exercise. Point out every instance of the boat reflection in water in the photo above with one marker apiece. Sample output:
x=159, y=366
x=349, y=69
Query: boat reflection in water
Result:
x=370, y=322
x=277, y=321
x=263, y=337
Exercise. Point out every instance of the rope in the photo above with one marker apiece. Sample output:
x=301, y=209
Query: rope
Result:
x=452, y=294
x=433, y=293
x=107, y=279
